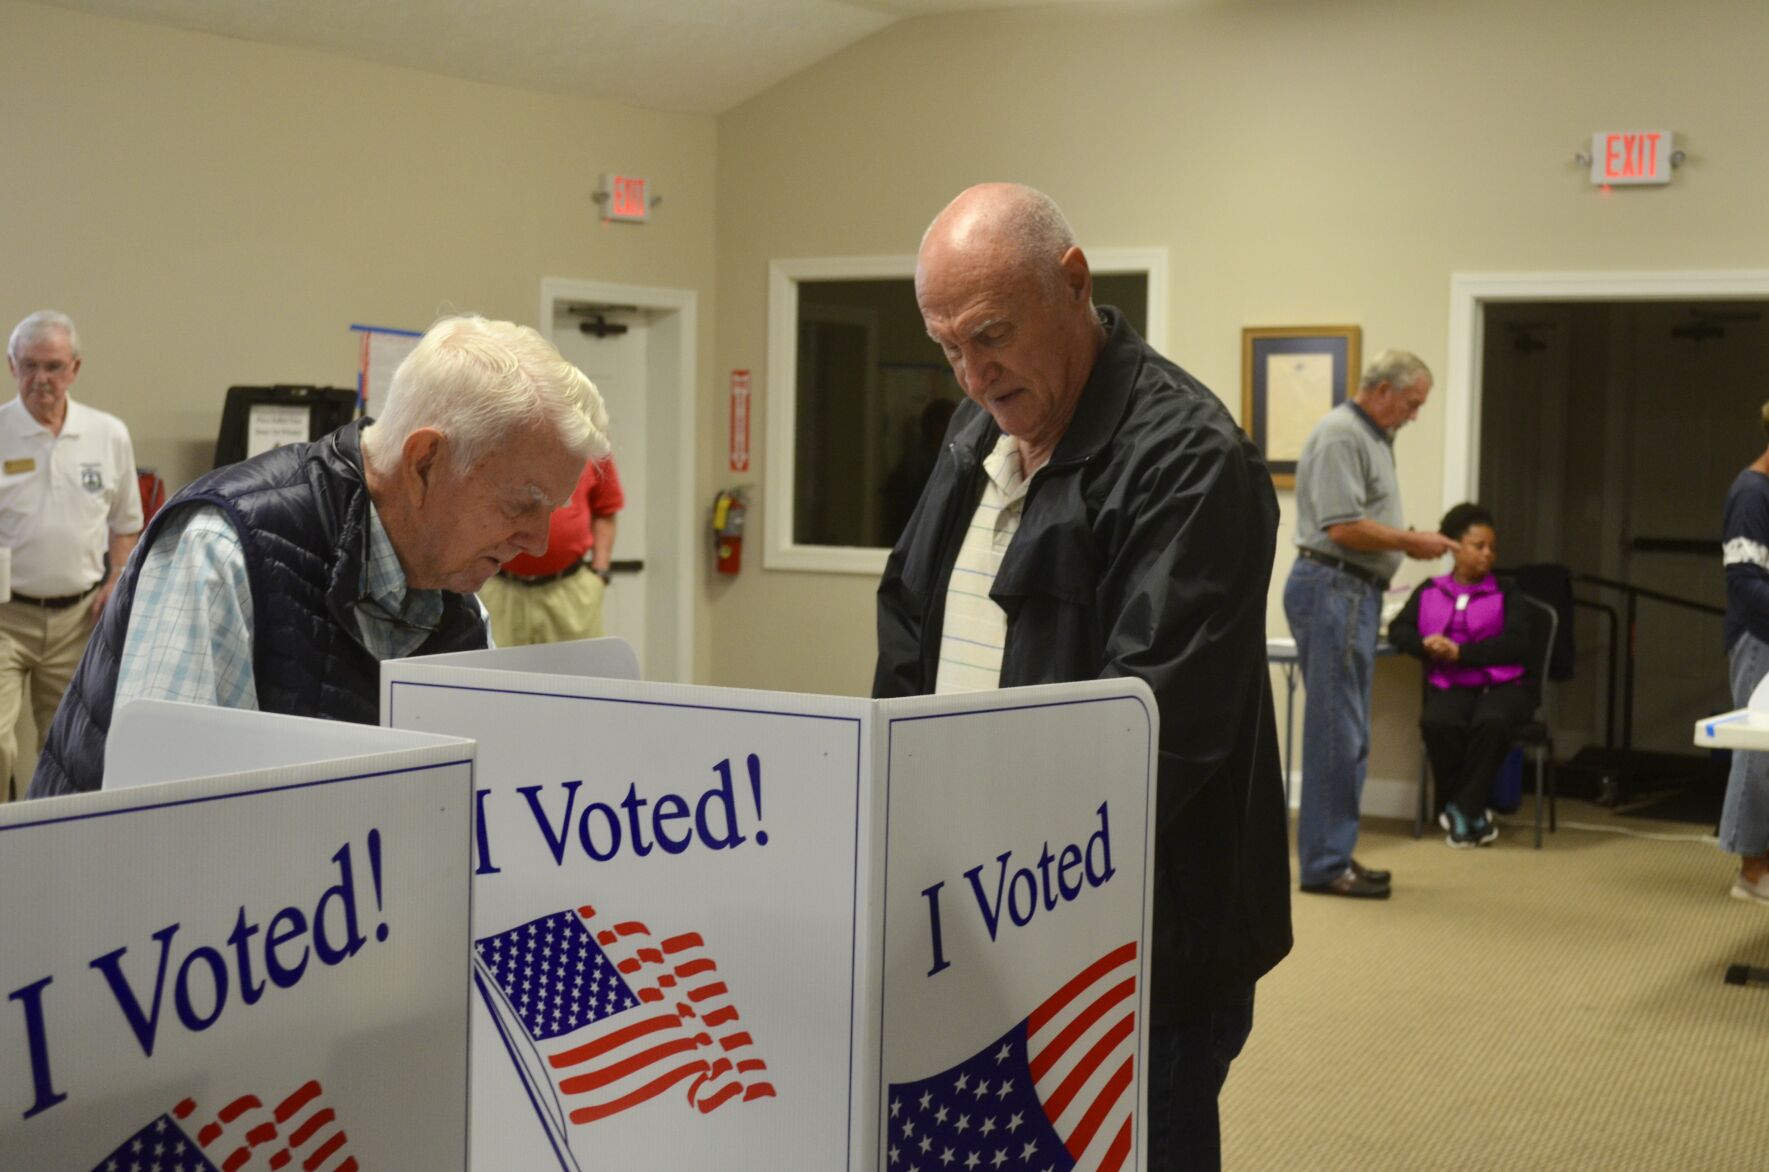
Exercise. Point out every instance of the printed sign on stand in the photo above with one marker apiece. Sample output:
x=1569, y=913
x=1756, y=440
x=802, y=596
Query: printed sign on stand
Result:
x=1015, y=914
x=254, y=970
x=684, y=954
x=665, y=892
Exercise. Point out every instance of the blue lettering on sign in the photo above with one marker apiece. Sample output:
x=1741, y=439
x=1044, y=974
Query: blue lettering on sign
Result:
x=481, y=844
x=637, y=825
x=1022, y=891
x=43, y=1092
x=205, y=979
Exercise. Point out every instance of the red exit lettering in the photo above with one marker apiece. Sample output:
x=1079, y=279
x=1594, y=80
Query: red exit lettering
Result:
x=629, y=197
x=1631, y=156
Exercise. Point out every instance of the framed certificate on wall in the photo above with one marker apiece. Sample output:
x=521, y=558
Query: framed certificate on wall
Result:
x=1290, y=377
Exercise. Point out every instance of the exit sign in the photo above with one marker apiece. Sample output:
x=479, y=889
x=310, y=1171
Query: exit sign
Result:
x=626, y=198
x=1631, y=157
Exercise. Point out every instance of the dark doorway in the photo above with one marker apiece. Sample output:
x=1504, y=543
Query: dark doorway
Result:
x=1609, y=435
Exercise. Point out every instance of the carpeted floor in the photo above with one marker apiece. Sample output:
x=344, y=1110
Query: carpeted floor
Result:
x=1515, y=1009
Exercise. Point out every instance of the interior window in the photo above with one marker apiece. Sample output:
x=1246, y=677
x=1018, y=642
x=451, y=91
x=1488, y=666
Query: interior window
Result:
x=872, y=397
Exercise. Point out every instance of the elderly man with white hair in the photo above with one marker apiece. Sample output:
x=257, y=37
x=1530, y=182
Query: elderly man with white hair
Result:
x=69, y=508
x=280, y=583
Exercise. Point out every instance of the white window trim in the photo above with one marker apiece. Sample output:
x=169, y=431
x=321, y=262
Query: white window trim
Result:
x=779, y=551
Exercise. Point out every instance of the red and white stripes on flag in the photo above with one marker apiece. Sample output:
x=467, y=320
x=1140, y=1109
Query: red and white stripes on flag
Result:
x=248, y=1135
x=687, y=1031
x=1081, y=1045
x=619, y=1017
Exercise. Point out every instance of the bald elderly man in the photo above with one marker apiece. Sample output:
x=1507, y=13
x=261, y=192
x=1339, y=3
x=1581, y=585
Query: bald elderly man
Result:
x=1120, y=525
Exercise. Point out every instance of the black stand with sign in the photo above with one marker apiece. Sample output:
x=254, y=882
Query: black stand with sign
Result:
x=256, y=419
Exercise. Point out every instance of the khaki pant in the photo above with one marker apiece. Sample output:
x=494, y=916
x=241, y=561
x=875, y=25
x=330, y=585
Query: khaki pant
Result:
x=39, y=650
x=553, y=612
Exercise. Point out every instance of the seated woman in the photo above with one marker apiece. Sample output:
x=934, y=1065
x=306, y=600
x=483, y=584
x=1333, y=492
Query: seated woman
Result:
x=1473, y=645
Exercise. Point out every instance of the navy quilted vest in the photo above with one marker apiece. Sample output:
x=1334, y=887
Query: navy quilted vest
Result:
x=302, y=513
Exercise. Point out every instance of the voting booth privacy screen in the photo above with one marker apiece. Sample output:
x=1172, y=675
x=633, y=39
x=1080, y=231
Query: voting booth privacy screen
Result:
x=256, y=969
x=1014, y=925
x=551, y=916
x=720, y=928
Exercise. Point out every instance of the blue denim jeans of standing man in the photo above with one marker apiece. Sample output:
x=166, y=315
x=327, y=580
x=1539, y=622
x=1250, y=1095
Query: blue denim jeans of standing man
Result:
x=1744, y=818
x=1333, y=616
x=1187, y=1065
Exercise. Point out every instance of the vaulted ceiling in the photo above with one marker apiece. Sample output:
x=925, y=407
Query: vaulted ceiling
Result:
x=689, y=56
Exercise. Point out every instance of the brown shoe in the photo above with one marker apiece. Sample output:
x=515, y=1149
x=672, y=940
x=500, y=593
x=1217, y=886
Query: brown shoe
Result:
x=1363, y=872
x=1350, y=884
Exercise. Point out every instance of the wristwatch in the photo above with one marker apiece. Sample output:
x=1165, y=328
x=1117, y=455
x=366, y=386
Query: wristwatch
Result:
x=602, y=574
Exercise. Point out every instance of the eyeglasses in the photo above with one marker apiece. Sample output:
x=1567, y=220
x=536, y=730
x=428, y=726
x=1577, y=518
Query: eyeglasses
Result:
x=26, y=366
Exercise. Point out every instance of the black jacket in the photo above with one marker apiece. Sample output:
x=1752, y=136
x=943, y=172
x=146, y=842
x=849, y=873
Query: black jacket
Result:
x=1144, y=550
x=302, y=515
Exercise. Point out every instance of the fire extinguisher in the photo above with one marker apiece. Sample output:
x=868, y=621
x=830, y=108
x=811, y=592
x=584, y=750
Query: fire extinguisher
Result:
x=729, y=508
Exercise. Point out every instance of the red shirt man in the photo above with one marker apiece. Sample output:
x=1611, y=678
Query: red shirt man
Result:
x=558, y=596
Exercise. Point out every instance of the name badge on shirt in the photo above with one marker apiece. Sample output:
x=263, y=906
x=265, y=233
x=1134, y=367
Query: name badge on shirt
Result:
x=14, y=467
x=1462, y=602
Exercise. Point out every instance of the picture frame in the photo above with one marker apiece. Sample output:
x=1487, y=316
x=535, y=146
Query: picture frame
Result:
x=1291, y=376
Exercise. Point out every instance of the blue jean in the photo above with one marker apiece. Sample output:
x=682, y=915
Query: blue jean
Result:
x=1333, y=617
x=1744, y=819
x=1187, y=1066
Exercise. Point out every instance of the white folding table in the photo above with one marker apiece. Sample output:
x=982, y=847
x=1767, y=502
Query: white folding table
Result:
x=1746, y=729
x=1282, y=651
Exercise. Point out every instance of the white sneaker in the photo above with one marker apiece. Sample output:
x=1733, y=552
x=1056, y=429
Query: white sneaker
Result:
x=1757, y=892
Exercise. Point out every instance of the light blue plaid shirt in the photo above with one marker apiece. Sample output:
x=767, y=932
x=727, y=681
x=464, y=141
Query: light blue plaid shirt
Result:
x=190, y=628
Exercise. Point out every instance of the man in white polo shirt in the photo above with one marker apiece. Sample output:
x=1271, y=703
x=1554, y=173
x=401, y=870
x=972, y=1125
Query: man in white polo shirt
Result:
x=68, y=498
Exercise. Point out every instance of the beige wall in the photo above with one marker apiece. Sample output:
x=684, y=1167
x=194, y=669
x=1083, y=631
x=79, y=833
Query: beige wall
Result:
x=215, y=212
x=1302, y=163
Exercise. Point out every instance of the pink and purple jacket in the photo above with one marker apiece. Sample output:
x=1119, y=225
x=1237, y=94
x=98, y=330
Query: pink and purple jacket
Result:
x=1467, y=614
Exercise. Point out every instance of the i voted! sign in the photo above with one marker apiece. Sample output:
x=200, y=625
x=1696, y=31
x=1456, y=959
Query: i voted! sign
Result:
x=761, y=931
x=260, y=970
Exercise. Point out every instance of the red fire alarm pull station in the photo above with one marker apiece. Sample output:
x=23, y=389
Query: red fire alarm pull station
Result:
x=740, y=421
x=626, y=199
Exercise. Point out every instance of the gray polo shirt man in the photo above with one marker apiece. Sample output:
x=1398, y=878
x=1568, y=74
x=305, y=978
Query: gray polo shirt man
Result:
x=1346, y=473
x=1351, y=538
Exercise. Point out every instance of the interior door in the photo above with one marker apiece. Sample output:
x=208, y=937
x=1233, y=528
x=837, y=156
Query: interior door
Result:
x=612, y=352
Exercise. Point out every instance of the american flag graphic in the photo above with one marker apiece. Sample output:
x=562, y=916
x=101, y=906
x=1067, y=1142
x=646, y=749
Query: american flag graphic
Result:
x=1055, y=1093
x=245, y=1135
x=611, y=1017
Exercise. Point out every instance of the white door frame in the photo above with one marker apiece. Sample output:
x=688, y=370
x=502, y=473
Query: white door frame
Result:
x=677, y=560
x=1470, y=293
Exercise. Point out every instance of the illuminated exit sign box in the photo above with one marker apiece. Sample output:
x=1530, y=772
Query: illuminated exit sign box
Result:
x=1631, y=157
x=626, y=198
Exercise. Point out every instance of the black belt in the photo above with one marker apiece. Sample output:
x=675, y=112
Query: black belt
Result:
x=1343, y=566
x=62, y=602
x=542, y=579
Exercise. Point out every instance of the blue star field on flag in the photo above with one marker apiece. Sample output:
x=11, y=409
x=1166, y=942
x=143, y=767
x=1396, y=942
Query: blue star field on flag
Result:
x=981, y=1114
x=556, y=976
x=161, y=1145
